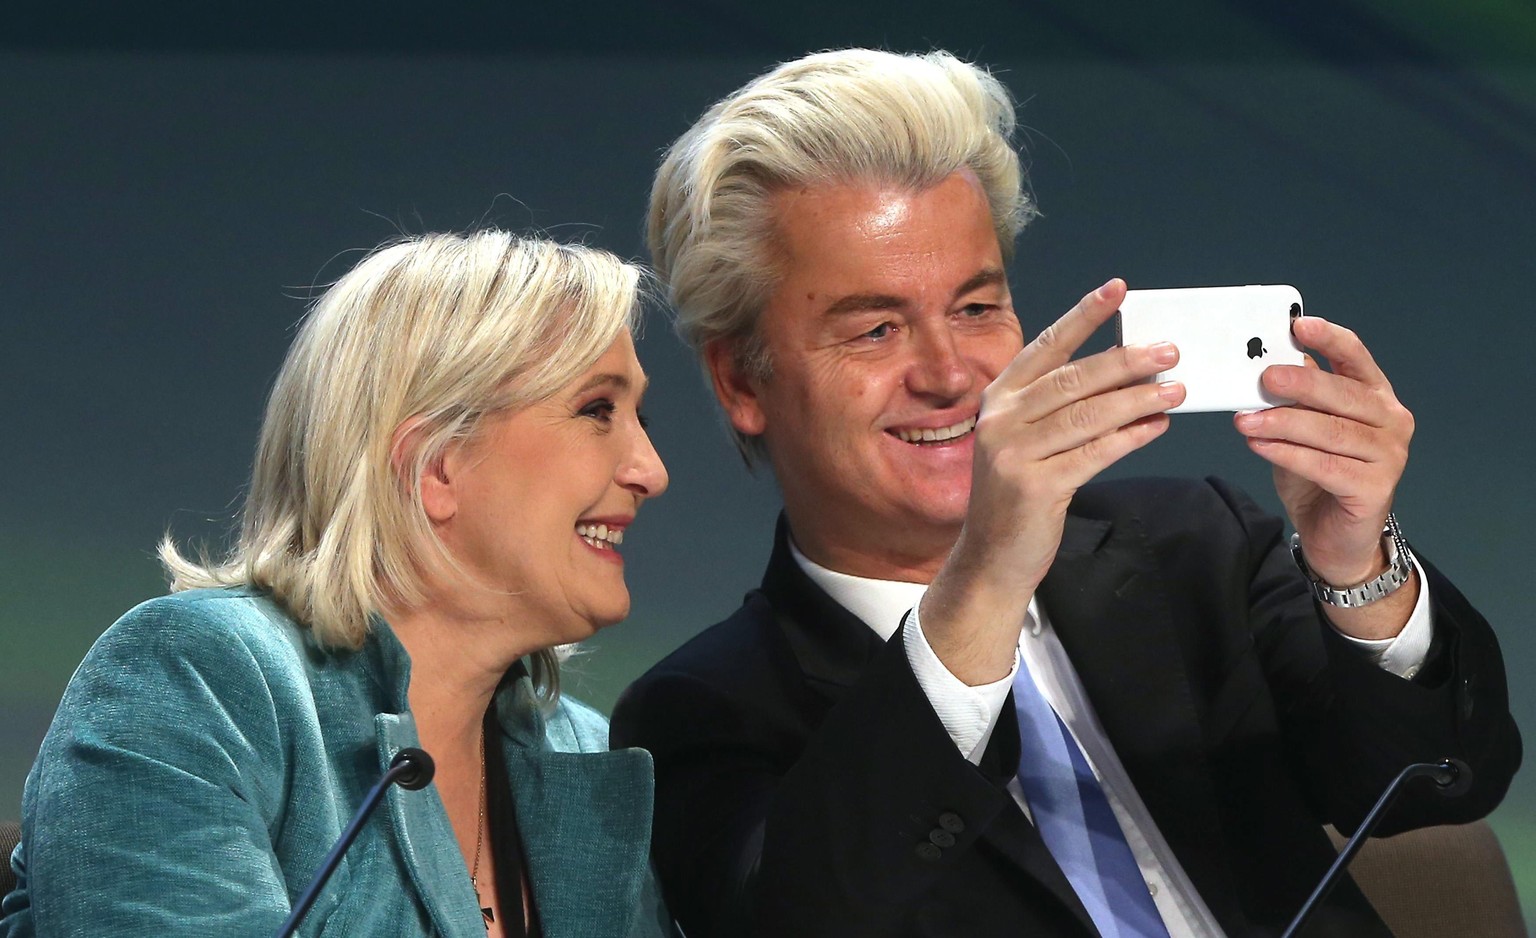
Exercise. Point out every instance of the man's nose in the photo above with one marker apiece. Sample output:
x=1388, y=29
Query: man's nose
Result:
x=939, y=368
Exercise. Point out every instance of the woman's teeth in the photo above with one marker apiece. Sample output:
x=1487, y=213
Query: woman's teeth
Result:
x=937, y=436
x=600, y=535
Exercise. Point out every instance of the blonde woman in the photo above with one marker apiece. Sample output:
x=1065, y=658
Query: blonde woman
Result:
x=451, y=455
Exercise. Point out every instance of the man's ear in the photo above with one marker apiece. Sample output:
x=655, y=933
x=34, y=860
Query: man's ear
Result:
x=438, y=497
x=736, y=391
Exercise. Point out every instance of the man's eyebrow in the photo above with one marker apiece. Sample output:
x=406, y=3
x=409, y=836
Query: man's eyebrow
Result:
x=989, y=277
x=863, y=302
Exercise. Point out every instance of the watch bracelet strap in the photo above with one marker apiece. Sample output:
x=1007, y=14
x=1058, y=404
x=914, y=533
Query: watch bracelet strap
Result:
x=1399, y=571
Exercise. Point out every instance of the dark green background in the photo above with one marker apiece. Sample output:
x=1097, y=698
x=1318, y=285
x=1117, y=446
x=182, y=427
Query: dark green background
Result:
x=172, y=183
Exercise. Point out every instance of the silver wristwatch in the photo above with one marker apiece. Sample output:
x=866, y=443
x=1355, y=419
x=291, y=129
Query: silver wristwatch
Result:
x=1399, y=571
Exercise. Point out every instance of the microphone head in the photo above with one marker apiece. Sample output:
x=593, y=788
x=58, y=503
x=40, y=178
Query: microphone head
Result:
x=1454, y=778
x=419, y=768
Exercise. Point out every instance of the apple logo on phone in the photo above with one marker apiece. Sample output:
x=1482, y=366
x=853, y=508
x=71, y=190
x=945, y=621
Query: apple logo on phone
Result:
x=1256, y=348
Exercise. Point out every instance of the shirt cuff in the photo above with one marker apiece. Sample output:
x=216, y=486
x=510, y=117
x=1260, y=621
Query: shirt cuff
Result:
x=1403, y=655
x=968, y=713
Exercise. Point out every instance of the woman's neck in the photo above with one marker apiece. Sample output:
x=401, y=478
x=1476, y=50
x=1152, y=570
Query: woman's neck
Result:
x=456, y=666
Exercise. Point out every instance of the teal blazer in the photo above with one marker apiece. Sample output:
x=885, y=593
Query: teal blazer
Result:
x=208, y=753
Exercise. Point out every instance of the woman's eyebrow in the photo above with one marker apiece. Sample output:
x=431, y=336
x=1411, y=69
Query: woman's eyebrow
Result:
x=613, y=379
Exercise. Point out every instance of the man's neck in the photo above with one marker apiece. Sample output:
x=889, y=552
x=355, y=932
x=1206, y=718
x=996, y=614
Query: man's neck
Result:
x=905, y=556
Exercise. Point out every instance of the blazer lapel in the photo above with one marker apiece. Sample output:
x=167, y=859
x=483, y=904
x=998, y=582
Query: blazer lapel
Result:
x=833, y=646
x=1106, y=602
x=585, y=820
x=421, y=828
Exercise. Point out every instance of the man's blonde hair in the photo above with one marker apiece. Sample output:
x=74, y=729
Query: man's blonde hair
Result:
x=849, y=116
x=443, y=329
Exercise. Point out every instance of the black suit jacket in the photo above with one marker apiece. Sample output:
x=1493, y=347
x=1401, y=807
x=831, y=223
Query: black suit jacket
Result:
x=800, y=770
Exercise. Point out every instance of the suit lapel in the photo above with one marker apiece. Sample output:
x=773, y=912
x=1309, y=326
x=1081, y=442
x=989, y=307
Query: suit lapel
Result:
x=1105, y=599
x=833, y=646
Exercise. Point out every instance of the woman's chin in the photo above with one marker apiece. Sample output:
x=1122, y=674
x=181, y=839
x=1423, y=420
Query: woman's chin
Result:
x=598, y=618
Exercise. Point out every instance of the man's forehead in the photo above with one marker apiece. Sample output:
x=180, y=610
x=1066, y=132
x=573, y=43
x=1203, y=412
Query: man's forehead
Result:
x=887, y=201
x=855, y=245
x=876, y=208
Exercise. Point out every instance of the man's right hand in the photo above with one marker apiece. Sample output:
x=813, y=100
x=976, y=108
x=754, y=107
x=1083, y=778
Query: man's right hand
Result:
x=1047, y=426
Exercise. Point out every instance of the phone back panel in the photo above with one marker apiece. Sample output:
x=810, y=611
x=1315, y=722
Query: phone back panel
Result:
x=1226, y=336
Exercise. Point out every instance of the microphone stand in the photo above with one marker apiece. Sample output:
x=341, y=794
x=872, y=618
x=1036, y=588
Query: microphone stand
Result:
x=411, y=769
x=1452, y=777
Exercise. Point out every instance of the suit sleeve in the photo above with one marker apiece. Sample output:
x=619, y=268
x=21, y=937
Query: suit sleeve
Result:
x=1352, y=725
x=140, y=815
x=767, y=828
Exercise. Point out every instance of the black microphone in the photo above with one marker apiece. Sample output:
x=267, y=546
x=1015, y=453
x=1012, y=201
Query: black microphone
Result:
x=411, y=769
x=1452, y=778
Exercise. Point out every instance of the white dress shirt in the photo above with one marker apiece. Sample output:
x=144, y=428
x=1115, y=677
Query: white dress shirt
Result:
x=969, y=714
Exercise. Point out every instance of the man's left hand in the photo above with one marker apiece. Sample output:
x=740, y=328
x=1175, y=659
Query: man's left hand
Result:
x=1338, y=452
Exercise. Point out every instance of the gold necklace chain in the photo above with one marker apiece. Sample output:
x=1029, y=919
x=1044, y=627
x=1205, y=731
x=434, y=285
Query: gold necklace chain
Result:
x=474, y=874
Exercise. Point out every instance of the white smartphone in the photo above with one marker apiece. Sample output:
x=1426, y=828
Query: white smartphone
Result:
x=1226, y=336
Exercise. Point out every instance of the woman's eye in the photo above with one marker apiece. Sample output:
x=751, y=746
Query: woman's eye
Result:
x=599, y=410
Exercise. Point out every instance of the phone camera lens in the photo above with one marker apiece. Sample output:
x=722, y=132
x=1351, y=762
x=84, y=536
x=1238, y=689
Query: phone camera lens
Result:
x=1295, y=310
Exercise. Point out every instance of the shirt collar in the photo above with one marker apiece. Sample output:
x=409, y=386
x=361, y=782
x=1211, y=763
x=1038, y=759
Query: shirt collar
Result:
x=879, y=604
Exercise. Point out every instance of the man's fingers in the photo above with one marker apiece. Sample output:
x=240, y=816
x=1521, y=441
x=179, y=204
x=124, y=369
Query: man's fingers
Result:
x=1081, y=422
x=1323, y=432
x=1061, y=339
x=1081, y=464
x=1097, y=374
x=1338, y=394
x=1346, y=354
x=1343, y=477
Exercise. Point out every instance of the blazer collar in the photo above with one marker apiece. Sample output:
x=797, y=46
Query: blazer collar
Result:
x=426, y=840
x=584, y=817
x=832, y=645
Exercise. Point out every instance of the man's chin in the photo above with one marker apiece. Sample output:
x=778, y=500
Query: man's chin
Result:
x=945, y=523
x=933, y=505
x=932, y=519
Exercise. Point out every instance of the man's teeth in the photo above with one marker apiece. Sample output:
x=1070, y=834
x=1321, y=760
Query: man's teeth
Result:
x=937, y=436
x=600, y=535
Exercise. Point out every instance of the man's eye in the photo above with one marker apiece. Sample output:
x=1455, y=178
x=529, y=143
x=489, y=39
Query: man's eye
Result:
x=879, y=332
x=974, y=310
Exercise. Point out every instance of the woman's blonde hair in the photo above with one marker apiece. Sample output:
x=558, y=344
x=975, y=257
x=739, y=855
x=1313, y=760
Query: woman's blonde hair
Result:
x=442, y=329
x=835, y=117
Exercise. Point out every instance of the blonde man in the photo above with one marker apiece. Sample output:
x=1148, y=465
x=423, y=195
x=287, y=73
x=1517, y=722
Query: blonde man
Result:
x=977, y=694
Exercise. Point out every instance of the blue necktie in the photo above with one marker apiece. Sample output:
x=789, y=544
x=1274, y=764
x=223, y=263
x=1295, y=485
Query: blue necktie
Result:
x=1076, y=822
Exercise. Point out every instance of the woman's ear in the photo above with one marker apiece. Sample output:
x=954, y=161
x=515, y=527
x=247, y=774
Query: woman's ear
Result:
x=438, y=497
x=735, y=390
